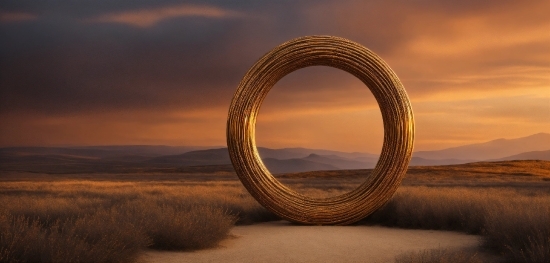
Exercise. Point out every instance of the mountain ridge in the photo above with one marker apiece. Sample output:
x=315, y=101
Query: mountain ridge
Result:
x=277, y=160
x=494, y=149
x=532, y=155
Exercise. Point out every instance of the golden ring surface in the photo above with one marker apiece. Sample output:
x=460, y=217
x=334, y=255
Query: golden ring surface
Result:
x=397, y=116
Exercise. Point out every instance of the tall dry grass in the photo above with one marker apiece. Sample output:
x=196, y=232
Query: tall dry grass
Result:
x=515, y=224
x=84, y=239
x=76, y=221
x=102, y=221
x=520, y=230
x=440, y=255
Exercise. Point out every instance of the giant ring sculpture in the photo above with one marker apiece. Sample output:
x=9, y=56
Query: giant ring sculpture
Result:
x=397, y=117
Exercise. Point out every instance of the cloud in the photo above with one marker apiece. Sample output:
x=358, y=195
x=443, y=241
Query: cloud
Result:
x=12, y=17
x=469, y=120
x=425, y=41
x=109, y=128
x=150, y=17
x=167, y=58
x=67, y=67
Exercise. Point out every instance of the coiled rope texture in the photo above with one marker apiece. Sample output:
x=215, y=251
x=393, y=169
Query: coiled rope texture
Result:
x=397, y=117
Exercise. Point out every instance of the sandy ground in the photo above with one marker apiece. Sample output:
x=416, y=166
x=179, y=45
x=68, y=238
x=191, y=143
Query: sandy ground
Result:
x=283, y=242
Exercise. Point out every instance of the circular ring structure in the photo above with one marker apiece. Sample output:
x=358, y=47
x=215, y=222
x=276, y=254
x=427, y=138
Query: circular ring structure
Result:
x=397, y=117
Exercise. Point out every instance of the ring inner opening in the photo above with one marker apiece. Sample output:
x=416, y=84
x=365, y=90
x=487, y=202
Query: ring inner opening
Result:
x=319, y=131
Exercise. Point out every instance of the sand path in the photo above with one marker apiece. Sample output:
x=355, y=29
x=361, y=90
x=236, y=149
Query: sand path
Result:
x=282, y=242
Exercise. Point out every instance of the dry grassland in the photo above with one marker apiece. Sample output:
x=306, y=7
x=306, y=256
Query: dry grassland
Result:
x=108, y=218
x=87, y=221
x=514, y=223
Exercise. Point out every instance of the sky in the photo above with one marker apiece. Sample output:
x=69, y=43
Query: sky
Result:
x=118, y=72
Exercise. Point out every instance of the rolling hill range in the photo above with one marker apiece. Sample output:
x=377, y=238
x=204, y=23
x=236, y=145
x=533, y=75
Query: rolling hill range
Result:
x=287, y=160
x=99, y=152
x=534, y=155
x=121, y=159
x=419, y=161
x=495, y=149
x=295, y=165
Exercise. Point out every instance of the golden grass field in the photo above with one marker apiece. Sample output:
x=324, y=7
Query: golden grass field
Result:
x=100, y=217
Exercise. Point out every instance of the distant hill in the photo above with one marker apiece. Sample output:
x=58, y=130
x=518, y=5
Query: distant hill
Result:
x=534, y=155
x=417, y=161
x=339, y=162
x=100, y=151
x=277, y=166
x=45, y=159
x=495, y=149
x=280, y=154
x=276, y=160
x=287, y=160
x=194, y=158
x=303, y=152
x=135, y=158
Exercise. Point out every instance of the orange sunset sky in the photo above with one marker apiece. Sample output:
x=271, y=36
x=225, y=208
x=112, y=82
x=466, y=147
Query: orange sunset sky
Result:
x=108, y=72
